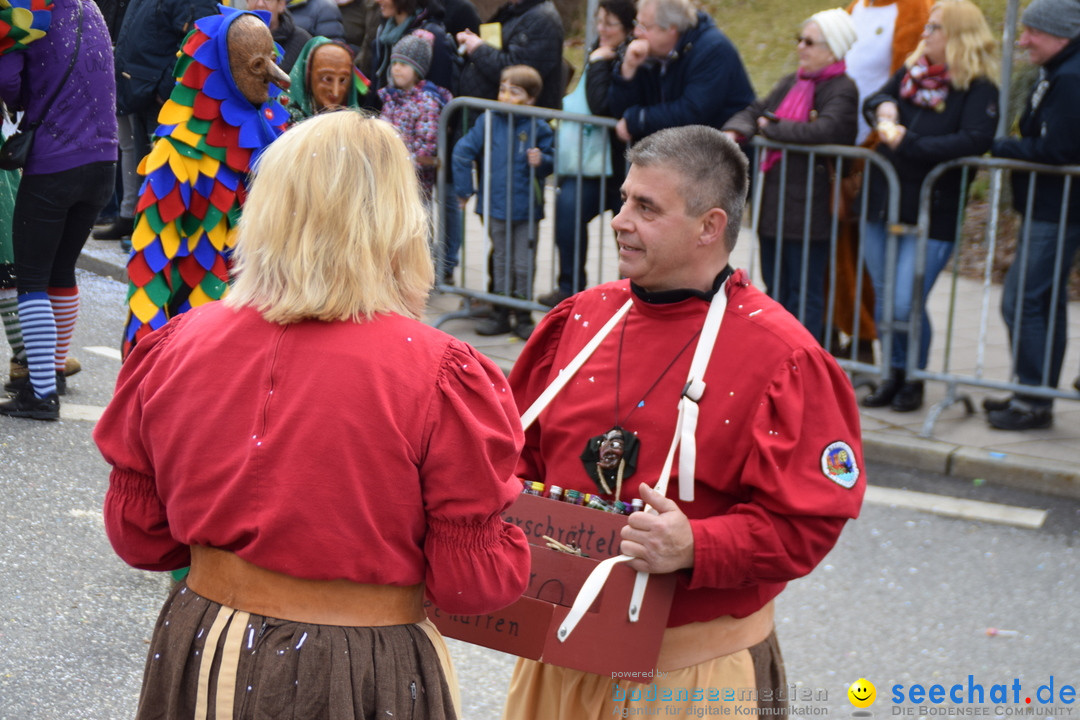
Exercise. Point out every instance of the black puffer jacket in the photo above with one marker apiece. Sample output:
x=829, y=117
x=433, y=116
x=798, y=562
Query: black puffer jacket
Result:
x=291, y=38
x=532, y=34
x=1050, y=134
x=146, y=48
x=965, y=126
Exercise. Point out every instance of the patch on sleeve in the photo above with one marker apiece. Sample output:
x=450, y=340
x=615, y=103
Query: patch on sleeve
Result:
x=838, y=464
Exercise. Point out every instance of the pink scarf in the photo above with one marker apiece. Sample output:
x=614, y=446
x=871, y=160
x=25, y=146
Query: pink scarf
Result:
x=799, y=101
x=926, y=85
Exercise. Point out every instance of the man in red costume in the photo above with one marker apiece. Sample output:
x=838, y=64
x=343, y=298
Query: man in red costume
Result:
x=777, y=467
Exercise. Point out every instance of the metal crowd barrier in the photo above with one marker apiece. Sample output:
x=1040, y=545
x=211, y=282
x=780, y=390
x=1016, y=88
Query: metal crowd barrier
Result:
x=475, y=286
x=842, y=158
x=977, y=369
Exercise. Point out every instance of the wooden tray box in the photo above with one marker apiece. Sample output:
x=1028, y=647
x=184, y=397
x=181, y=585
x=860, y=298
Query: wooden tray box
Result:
x=605, y=641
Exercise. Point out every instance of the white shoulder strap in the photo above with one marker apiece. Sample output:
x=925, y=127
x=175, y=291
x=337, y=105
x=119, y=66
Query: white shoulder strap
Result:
x=685, y=431
x=530, y=415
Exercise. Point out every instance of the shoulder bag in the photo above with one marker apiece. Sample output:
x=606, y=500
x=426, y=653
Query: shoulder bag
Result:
x=581, y=148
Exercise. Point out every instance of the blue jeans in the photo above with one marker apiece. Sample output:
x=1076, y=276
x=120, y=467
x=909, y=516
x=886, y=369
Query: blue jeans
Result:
x=788, y=291
x=938, y=253
x=1028, y=335
x=573, y=213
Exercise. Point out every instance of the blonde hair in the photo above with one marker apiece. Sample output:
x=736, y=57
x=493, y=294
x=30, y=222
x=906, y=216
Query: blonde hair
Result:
x=971, y=50
x=333, y=227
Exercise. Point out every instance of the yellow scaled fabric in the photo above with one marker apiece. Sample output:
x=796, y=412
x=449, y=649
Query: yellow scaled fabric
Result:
x=199, y=297
x=142, y=306
x=208, y=166
x=218, y=235
x=173, y=113
x=143, y=234
x=170, y=239
x=181, y=134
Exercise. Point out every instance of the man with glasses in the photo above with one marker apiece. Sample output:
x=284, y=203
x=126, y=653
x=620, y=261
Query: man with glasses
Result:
x=1051, y=36
x=679, y=70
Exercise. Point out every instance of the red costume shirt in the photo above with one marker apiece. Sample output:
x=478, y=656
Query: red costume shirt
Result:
x=778, y=443
x=378, y=452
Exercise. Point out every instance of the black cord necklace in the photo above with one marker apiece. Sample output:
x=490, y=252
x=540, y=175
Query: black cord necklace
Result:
x=611, y=457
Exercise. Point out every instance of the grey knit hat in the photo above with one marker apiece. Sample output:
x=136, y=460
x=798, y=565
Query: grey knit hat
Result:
x=415, y=51
x=1060, y=18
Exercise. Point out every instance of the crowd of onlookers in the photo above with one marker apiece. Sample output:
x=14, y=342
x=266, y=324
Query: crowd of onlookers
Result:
x=915, y=81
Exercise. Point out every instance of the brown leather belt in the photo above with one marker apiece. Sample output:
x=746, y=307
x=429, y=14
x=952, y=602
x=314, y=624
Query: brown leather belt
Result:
x=225, y=578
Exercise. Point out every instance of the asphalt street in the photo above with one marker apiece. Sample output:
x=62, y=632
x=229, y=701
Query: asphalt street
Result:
x=905, y=598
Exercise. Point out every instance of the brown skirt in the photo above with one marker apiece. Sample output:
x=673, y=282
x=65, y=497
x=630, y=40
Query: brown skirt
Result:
x=211, y=662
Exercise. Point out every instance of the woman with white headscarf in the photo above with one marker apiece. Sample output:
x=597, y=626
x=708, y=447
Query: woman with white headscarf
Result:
x=816, y=105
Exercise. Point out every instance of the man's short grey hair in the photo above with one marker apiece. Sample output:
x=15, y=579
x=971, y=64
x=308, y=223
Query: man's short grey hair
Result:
x=678, y=14
x=712, y=168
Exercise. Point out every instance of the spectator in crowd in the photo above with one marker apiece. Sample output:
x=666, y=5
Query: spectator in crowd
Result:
x=402, y=17
x=146, y=48
x=942, y=105
x=9, y=304
x=284, y=29
x=318, y=17
x=521, y=155
x=461, y=15
x=679, y=70
x=307, y=537
x=887, y=32
x=578, y=200
x=64, y=81
x=817, y=105
x=777, y=468
x=531, y=33
x=1034, y=302
x=323, y=79
x=412, y=104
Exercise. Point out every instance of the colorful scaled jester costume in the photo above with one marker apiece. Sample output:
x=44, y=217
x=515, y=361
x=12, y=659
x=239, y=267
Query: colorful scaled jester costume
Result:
x=196, y=179
x=22, y=22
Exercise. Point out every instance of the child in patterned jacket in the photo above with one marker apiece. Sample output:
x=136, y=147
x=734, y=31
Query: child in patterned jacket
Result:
x=412, y=104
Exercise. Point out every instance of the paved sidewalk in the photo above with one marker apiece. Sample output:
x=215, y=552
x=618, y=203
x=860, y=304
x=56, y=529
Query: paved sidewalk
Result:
x=960, y=444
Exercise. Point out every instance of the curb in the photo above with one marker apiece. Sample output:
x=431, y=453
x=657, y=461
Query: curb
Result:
x=104, y=268
x=1025, y=472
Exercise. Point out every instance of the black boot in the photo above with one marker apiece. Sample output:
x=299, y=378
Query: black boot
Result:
x=909, y=397
x=497, y=324
x=523, y=324
x=28, y=405
x=123, y=227
x=885, y=392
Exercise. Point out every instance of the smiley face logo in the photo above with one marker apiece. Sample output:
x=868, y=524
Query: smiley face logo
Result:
x=862, y=693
